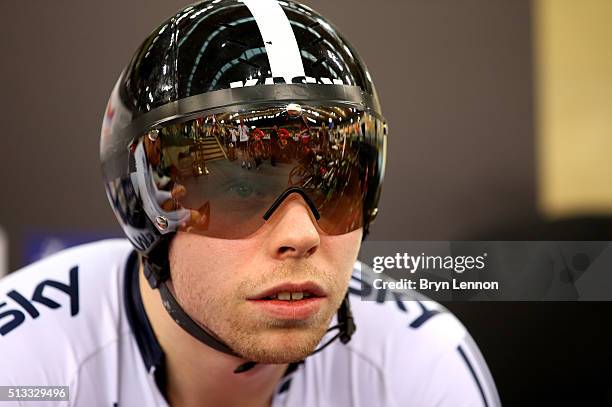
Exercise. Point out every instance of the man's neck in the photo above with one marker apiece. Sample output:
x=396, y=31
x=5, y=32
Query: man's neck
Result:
x=197, y=375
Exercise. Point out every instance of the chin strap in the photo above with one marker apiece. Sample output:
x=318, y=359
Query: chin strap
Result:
x=158, y=277
x=183, y=320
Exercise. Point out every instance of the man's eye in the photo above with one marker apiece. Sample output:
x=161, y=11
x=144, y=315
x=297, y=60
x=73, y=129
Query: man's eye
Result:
x=242, y=190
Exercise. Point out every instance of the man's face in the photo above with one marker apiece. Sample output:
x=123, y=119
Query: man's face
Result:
x=220, y=283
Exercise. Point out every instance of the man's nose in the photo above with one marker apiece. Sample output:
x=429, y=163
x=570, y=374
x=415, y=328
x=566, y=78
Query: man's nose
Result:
x=293, y=231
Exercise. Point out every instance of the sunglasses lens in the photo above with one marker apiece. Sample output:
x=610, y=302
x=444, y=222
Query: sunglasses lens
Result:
x=218, y=175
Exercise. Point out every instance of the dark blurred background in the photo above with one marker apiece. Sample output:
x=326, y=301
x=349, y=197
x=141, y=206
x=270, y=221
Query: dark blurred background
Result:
x=484, y=145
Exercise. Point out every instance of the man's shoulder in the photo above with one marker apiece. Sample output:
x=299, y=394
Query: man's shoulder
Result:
x=94, y=257
x=57, y=312
x=403, y=313
x=396, y=329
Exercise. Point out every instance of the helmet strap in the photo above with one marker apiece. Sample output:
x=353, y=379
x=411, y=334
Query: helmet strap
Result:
x=178, y=314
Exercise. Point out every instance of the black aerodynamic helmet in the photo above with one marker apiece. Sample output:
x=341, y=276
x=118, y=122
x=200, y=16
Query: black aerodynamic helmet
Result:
x=227, y=108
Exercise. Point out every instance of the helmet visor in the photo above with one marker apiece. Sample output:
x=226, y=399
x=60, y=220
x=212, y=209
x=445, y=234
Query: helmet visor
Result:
x=223, y=174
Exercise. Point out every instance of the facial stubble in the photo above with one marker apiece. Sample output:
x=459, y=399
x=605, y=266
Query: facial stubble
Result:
x=255, y=336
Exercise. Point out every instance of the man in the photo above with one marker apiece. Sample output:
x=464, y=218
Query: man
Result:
x=233, y=143
x=274, y=145
x=248, y=303
x=256, y=147
x=243, y=131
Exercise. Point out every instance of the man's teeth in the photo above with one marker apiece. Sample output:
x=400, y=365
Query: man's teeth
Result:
x=287, y=296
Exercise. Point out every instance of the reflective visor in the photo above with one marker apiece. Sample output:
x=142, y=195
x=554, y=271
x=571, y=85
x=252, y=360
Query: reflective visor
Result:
x=223, y=175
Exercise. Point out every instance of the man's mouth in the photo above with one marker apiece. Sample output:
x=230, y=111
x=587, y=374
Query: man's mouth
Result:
x=290, y=300
x=287, y=296
x=291, y=292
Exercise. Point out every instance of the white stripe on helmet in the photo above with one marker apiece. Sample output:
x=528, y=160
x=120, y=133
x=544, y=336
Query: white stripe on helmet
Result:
x=279, y=39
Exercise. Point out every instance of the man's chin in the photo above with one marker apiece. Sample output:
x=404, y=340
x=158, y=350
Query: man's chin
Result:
x=279, y=347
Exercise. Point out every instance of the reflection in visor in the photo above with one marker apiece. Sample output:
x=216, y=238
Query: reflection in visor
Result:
x=227, y=169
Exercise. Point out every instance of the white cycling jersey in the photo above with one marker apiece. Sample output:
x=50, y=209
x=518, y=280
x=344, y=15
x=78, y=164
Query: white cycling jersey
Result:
x=71, y=320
